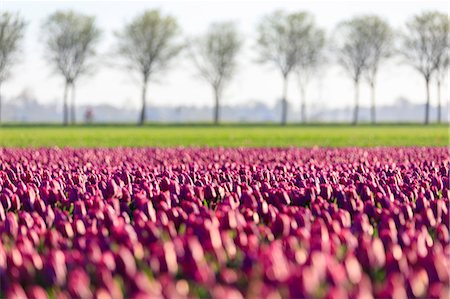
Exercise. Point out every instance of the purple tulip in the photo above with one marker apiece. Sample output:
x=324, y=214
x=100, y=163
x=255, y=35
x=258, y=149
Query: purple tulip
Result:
x=216, y=222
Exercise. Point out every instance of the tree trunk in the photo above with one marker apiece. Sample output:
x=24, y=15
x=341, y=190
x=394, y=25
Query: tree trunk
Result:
x=0, y=105
x=65, y=107
x=72, y=110
x=144, y=100
x=438, y=83
x=284, y=102
x=427, y=105
x=303, y=102
x=216, y=106
x=372, y=111
x=356, y=109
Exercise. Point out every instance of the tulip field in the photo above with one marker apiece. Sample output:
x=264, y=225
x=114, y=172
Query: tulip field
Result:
x=224, y=222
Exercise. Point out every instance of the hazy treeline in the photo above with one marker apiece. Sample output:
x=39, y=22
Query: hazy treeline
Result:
x=292, y=42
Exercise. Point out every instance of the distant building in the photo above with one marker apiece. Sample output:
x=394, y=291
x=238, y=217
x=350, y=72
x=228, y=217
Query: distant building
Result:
x=26, y=108
x=89, y=115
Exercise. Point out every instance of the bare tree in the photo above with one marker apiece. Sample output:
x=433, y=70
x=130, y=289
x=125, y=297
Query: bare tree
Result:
x=421, y=47
x=381, y=47
x=310, y=57
x=279, y=37
x=442, y=57
x=12, y=29
x=215, y=57
x=148, y=44
x=353, y=52
x=70, y=40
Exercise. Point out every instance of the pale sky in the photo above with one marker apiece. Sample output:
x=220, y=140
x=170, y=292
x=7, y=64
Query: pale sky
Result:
x=180, y=85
